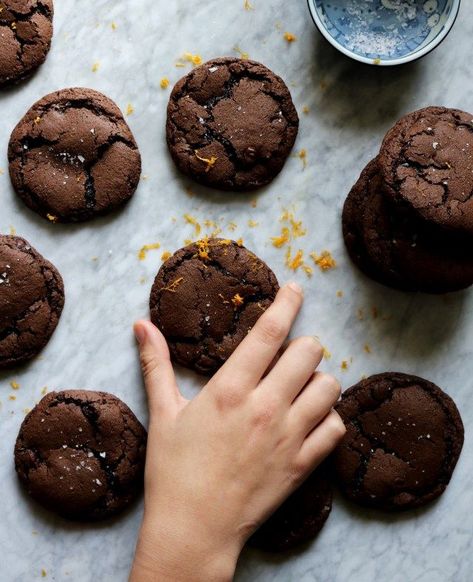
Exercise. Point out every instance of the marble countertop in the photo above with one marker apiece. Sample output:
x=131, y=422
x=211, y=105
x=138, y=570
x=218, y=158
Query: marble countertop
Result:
x=133, y=45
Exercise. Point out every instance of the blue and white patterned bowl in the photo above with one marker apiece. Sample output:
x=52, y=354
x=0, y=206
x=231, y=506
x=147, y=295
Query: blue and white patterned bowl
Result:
x=384, y=32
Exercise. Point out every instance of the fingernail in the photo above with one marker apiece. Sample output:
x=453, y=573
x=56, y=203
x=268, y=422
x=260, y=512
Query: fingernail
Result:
x=295, y=287
x=140, y=333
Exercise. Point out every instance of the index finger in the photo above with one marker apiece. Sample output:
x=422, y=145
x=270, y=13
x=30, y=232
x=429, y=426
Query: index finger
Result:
x=254, y=355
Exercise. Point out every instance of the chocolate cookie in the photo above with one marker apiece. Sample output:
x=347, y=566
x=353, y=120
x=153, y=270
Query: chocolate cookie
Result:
x=31, y=301
x=207, y=297
x=300, y=517
x=427, y=163
x=73, y=157
x=404, y=437
x=231, y=124
x=395, y=248
x=26, y=29
x=81, y=454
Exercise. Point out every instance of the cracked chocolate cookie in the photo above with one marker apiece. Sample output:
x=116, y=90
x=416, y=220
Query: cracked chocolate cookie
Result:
x=207, y=297
x=427, y=163
x=404, y=438
x=231, y=124
x=31, y=301
x=81, y=454
x=26, y=29
x=73, y=157
x=397, y=249
x=299, y=519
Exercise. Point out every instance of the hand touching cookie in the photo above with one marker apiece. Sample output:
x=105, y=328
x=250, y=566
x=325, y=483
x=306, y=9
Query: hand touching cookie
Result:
x=219, y=465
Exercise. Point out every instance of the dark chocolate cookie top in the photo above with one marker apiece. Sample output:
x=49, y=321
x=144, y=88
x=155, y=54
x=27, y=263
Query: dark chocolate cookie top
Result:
x=81, y=454
x=395, y=247
x=73, y=157
x=207, y=297
x=231, y=124
x=26, y=29
x=427, y=163
x=299, y=519
x=31, y=301
x=404, y=438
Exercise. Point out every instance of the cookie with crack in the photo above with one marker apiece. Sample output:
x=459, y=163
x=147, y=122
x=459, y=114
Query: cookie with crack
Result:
x=73, y=157
x=426, y=161
x=26, y=30
x=394, y=247
x=31, y=301
x=404, y=437
x=231, y=124
x=300, y=518
x=207, y=297
x=81, y=454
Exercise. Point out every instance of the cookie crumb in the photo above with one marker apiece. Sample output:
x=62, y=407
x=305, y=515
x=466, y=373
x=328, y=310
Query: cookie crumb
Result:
x=37, y=120
x=51, y=217
x=367, y=349
x=164, y=83
x=145, y=248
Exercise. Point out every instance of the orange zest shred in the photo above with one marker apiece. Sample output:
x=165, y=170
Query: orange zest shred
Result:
x=44, y=390
x=145, y=248
x=243, y=54
x=247, y=5
x=232, y=226
x=194, y=59
x=51, y=217
x=14, y=385
x=12, y=230
x=253, y=223
x=237, y=300
x=367, y=349
x=290, y=37
x=302, y=155
x=296, y=261
x=164, y=83
x=339, y=293
x=344, y=365
x=239, y=242
x=172, y=288
x=282, y=239
x=327, y=354
x=203, y=249
x=209, y=161
x=95, y=67
x=324, y=261
x=36, y=120
x=165, y=256
x=129, y=109
x=191, y=220
x=305, y=109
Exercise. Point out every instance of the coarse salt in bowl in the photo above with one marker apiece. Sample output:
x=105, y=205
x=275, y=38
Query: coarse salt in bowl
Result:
x=384, y=32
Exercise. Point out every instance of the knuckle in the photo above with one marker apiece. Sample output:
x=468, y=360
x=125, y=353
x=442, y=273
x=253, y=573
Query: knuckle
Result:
x=311, y=346
x=338, y=426
x=331, y=385
x=265, y=413
x=227, y=397
x=298, y=472
x=149, y=364
x=272, y=330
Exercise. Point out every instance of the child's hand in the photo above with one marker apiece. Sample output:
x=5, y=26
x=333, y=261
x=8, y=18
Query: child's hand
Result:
x=219, y=465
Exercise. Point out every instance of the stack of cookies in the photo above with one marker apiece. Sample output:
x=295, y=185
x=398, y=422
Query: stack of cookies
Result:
x=408, y=221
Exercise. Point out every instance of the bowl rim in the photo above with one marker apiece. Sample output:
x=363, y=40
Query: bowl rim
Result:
x=386, y=62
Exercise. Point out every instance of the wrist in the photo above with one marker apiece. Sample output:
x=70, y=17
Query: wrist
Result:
x=168, y=550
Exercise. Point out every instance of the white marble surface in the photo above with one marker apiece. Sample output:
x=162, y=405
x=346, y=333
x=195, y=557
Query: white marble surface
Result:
x=350, y=108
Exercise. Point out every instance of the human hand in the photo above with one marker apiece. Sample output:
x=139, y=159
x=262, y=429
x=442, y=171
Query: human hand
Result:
x=219, y=465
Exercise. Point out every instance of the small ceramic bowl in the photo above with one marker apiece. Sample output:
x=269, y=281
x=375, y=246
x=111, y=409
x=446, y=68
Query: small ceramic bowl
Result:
x=384, y=32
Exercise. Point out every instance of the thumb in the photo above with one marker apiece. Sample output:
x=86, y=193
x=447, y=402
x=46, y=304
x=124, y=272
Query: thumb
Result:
x=160, y=382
